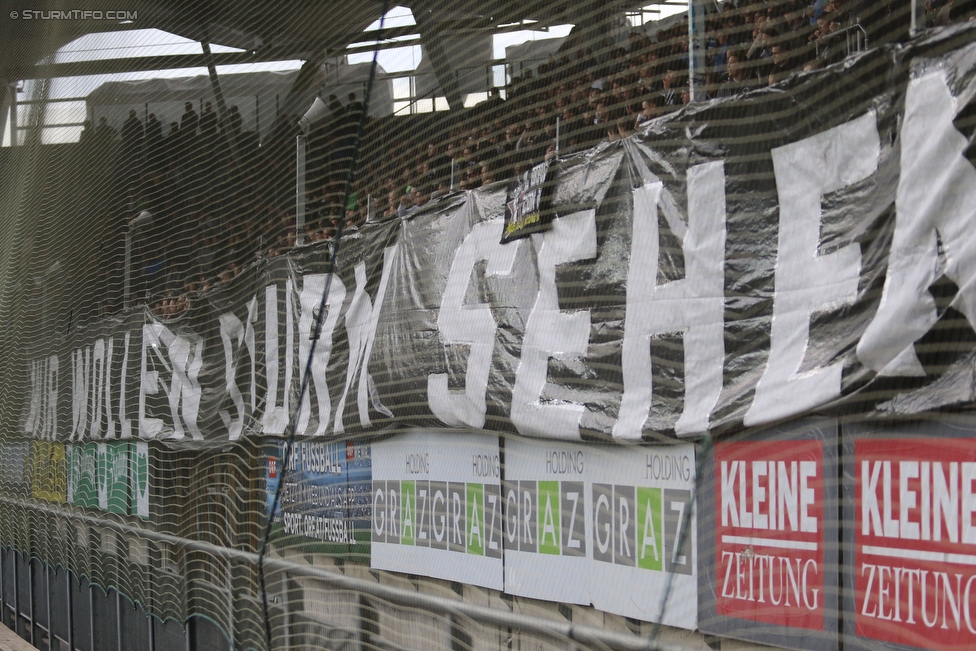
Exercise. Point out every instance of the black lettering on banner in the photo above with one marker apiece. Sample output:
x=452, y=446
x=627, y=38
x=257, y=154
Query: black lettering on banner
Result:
x=493, y=521
x=457, y=517
x=423, y=537
x=439, y=528
x=393, y=512
x=528, y=524
x=379, y=512
x=511, y=501
x=603, y=522
x=676, y=502
x=624, y=526
x=573, y=518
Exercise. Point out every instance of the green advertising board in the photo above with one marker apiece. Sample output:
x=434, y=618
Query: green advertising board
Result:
x=111, y=477
x=139, y=475
x=83, y=475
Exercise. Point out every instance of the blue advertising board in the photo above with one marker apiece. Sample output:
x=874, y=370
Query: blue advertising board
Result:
x=325, y=496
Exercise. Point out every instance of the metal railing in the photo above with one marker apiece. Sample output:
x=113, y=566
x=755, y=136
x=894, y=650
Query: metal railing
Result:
x=855, y=39
x=453, y=611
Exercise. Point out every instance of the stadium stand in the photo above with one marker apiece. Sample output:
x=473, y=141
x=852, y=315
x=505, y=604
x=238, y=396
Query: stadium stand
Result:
x=241, y=345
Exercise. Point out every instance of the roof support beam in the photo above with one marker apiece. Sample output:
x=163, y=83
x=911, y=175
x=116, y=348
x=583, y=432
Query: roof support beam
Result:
x=139, y=64
x=227, y=135
x=299, y=89
x=435, y=39
x=8, y=94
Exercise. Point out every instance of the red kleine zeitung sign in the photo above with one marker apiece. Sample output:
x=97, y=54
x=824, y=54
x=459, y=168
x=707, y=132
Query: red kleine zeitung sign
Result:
x=769, y=552
x=915, y=541
x=769, y=534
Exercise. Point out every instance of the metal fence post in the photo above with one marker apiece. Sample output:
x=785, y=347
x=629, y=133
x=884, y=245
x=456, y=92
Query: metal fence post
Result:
x=697, y=79
x=300, y=190
x=50, y=624
x=71, y=610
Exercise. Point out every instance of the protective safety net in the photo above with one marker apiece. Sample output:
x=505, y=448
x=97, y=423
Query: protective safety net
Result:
x=488, y=325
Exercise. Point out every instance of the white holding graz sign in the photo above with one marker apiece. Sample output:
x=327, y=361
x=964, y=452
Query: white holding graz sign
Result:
x=606, y=526
x=437, y=507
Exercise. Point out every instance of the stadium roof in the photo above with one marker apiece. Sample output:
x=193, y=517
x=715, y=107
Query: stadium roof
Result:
x=283, y=30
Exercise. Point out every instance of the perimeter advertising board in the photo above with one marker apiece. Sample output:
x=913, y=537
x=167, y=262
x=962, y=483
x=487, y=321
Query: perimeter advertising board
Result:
x=47, y=466
x=111, y=477
x=139, y=478
x=609, y=526
x=768, y=526
x=14, y=464
x=324, y=500
x=912, y=491
x=83, y=475
x=437, y=508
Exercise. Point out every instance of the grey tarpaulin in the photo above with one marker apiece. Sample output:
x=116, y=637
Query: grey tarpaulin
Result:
x=801, y=265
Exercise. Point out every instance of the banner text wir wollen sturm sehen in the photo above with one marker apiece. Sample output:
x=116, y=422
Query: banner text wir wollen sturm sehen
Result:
x=683, y=285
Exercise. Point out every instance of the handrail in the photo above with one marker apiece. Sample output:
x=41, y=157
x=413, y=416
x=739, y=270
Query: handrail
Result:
x=854, y=27
x=589, y=635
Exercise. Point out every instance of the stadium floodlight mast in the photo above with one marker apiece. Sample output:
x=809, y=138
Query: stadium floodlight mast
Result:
x=315, y=112
x=144, y=218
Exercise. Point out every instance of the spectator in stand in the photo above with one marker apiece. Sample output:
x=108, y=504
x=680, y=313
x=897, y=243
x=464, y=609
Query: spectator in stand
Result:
x=414, y=200
x=831, y=50
x=718, y=49
x=132, y=139
x=473, y=177
x=87, y=134
x=204, y=256
x=782, y=65
x=815, y=10
x=392, y=204
x=224, y=277
x=760, y=53
x=421, y=195
x=624, y=128
x=954, y=11
x=182, y=304
x=492, y=148
x=189, y=121
x=171, y=144
x=289, y=239
x=570, y=129
x=234, y=123
x=596, y=97
x=487, y=174
x=670, y=95
x=736, y=82
x=795, y=24
x=154, y=131
x=527, y=140
x=815, y=64
x=511, y=138
x=494, y=104
x=648, y=111
x=208, y=125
